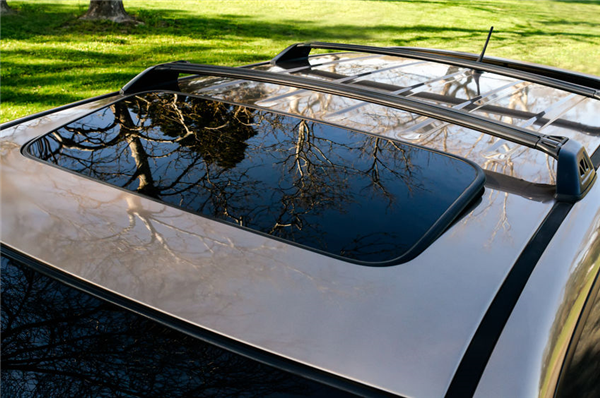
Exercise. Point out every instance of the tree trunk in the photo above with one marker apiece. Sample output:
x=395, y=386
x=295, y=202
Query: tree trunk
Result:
x=5, y=9
x=111, y=10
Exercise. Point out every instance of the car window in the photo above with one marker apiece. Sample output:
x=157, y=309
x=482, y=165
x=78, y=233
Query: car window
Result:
x=60, y=342
x=581, y=378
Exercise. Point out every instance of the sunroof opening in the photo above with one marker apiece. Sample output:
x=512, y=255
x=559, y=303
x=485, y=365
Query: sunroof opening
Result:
x=348, y=194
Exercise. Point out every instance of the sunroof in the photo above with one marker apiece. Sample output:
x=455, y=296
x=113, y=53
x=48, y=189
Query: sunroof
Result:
x=344, y=193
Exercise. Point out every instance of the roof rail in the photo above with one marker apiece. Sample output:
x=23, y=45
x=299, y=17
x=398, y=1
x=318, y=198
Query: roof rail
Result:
x=586, y=85
x=581, y=79
x=571, y=184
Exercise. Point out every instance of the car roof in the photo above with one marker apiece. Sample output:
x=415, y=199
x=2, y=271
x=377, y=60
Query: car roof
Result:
x=402, y=329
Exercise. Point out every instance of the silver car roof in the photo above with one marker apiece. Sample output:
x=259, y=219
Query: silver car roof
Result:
x=402, y=329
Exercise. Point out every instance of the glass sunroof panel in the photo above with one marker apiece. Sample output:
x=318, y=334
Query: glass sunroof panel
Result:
x=344, y=193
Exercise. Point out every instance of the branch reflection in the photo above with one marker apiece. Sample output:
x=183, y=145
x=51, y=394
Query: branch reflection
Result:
x=328, y=188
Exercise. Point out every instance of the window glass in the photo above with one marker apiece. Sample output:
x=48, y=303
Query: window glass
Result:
x=581, y=378
x=341, y=192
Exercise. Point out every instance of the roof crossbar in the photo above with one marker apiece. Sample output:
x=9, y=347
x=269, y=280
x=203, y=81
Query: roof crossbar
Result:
x=588, y=86
x=581, y=79
x=290, y=70
x=554, y=111
x=462, y=105
x=336, y=78
x=407, y=90
x=569, y=153
x=540, y=120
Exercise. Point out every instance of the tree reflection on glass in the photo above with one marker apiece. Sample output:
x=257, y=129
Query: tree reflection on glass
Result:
x=581, y=376
x=346, y=193
x=60, y=342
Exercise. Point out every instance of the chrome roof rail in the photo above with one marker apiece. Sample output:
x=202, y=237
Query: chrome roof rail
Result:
x=586, y=85
x=575, y=172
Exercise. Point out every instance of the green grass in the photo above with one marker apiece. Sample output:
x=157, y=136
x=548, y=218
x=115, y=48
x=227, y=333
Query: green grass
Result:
x=50, y=58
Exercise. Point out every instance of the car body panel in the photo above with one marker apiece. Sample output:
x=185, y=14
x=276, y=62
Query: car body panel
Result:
x=226, y=280
x=402, y=329
x=529, y=355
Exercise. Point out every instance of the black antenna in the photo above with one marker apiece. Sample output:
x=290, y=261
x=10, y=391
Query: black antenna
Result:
x=480, y=59
x=477, y=73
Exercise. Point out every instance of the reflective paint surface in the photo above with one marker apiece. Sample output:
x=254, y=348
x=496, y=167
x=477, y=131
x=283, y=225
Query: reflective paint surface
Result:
x=535, y=340
x=402, y=329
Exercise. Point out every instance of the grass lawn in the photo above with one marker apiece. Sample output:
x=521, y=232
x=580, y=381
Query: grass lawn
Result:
x=50, y=58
